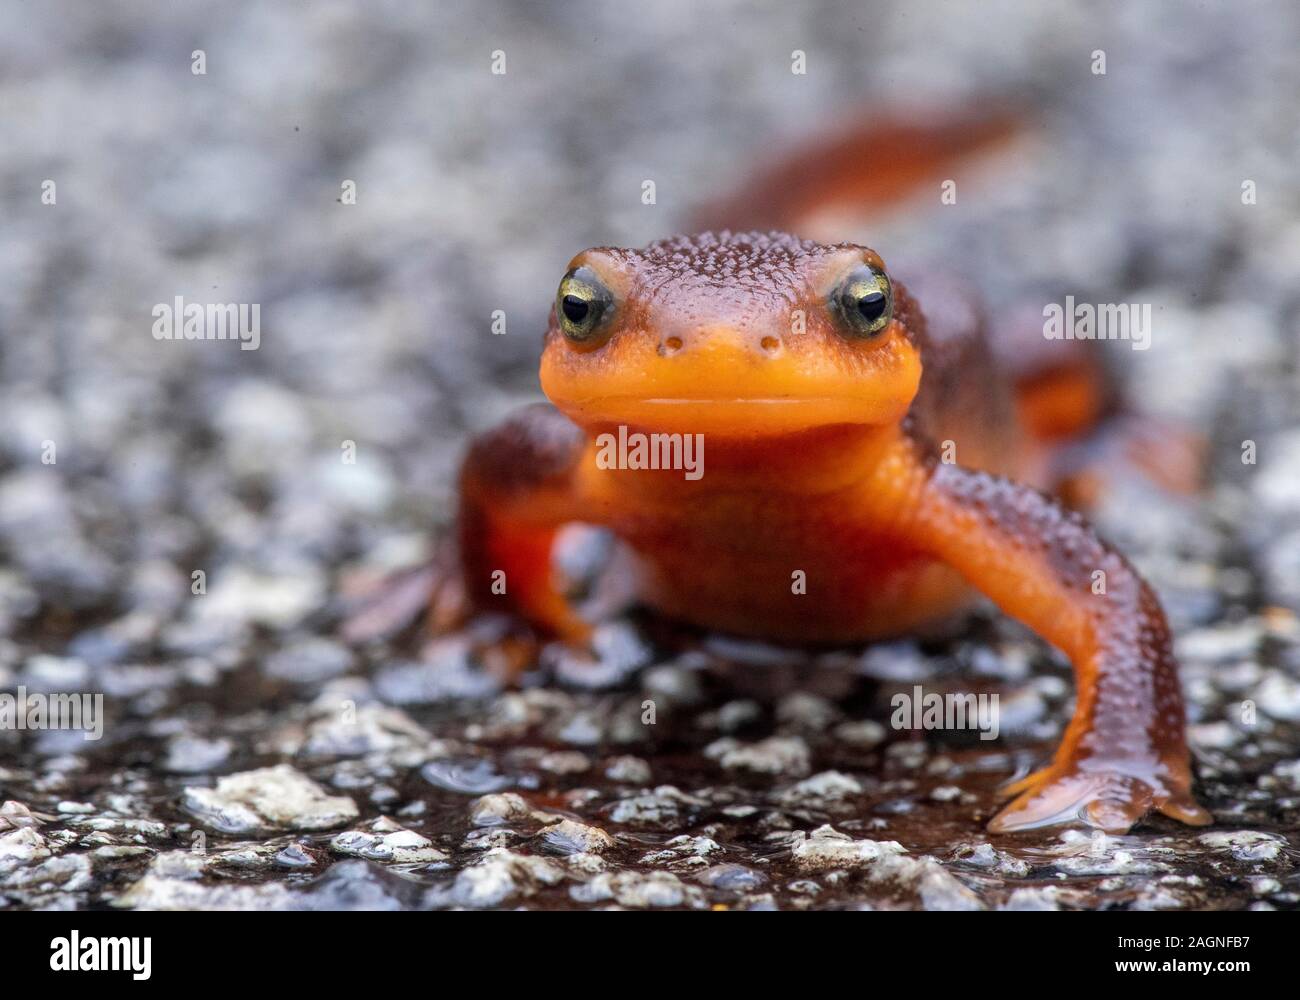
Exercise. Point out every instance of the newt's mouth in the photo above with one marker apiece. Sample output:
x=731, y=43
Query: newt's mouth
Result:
x=728, y=400
x=721, y=402
x=725, y=416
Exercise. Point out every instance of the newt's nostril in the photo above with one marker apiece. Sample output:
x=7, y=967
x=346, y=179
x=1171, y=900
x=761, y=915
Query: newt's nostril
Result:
x=770, y=344
x=670, y=345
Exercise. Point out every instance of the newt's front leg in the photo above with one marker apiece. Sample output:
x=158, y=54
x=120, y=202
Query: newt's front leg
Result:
x=517, y=489
x=1124, y=751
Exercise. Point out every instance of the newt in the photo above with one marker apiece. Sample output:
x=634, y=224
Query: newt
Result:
x=847, y=458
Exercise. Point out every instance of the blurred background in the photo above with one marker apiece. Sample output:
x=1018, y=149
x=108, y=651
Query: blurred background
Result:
x=473, y=190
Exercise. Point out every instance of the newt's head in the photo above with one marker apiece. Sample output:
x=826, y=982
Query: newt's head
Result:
x=731, y=334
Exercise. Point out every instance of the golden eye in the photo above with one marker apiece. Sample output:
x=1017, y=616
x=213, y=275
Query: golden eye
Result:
x=582, y=304
x=865, y=301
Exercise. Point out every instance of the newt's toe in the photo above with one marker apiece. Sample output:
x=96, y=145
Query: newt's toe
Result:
x=1187, y=810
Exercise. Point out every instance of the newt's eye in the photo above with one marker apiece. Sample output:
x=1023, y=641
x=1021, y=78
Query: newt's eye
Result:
x=865, y=301
x=581, y=304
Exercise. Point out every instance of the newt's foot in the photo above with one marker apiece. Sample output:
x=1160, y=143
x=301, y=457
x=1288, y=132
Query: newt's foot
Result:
x=1107, y=799
x=1170, y=457
x=381, y=608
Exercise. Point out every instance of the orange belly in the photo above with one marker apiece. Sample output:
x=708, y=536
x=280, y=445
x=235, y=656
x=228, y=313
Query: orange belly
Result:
x=783, y=566
x=860, y=596
x=789, y=540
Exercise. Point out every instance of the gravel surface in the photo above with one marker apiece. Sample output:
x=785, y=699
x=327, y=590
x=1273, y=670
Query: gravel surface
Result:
x=178, y=520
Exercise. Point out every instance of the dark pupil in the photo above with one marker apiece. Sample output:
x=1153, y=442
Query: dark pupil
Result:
x=575, y=309
x=872, y=306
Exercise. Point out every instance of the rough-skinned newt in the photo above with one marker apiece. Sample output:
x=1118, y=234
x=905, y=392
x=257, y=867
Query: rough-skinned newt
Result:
x=861, y=477
x=801, y=366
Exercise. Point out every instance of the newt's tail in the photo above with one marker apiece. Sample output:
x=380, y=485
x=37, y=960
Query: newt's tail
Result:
x=1085, y=433
x=828, y=184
